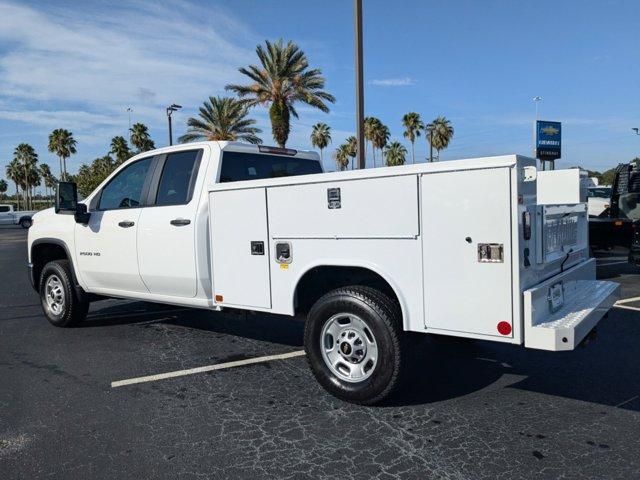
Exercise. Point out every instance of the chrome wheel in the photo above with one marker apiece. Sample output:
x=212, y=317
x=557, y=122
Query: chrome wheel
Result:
x=348, y=347
x=54, y=295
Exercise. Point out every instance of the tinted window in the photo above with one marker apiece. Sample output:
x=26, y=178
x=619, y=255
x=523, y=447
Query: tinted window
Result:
x=125, y=189
x=4, y=208
x=238, y=166
x=176, y=179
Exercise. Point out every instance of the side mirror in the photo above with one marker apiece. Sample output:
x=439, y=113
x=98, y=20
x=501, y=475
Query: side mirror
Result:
x=82, y=215
x=66, y=197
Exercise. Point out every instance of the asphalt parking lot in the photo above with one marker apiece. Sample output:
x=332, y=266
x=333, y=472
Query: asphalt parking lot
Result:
x=471, y=411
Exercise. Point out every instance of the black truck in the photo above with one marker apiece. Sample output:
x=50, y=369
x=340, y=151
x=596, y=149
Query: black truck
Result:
x=619, y=224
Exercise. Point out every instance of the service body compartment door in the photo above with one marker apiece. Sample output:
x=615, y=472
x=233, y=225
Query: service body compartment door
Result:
x=466, y=225
x=240, y=247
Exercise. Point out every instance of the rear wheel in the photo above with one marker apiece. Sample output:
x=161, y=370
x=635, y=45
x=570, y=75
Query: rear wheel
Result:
x=25, y=223
x=353, y=344
x=60, y=304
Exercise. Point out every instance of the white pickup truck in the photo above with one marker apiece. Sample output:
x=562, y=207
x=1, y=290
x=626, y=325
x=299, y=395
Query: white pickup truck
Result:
x=466, y=248
x=9, y=216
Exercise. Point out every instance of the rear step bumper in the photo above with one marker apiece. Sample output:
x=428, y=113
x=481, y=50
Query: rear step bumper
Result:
x=563, y=325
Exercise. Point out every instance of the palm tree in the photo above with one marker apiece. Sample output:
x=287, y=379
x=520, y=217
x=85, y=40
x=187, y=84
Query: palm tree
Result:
x=27, y=157
x=395, y=153
x=282, y=79
x=120, y=148
x=140, y=138
x=62, y=143
x=352, y=143
x=45, y=173
x=440, y=133
x=341, y=156
x=370, y=126
x=412, y=126
x=14, y=173
x=321, y=136
x=3, y=187
x=381, y=136
x=222, y=118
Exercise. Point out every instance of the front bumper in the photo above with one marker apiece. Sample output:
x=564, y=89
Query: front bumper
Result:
x=586, y=301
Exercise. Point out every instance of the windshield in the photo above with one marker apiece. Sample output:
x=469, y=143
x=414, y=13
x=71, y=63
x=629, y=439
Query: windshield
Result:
x=629, y=206
x=599, y=192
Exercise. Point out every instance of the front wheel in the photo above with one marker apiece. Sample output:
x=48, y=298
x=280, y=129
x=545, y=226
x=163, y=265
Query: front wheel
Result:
x=60, y=304
x=25, y=223
x=353, y=344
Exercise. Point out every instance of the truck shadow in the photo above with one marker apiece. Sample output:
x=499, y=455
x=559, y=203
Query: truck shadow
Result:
x=276, y=329
x=606, y=372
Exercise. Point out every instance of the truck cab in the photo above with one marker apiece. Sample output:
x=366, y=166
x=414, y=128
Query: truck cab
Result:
x=146, y=230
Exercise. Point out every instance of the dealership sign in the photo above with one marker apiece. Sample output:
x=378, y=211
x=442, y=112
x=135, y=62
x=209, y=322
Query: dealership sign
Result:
x=548, y=140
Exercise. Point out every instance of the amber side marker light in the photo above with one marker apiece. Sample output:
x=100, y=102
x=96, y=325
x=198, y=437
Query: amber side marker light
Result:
x=618, y=223
x=219, y=298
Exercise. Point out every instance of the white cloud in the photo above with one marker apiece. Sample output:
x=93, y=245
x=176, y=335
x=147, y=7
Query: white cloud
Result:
x=393, y=82
x=140, y=54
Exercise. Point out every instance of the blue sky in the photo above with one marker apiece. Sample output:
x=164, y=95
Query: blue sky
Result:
x=78, y=65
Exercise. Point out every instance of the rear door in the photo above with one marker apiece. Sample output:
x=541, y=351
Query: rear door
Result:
x=166, y=232
x=466, y=225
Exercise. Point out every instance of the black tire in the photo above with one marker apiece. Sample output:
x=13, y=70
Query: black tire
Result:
x=25, y=223
x=383, y=318
x=72, y=311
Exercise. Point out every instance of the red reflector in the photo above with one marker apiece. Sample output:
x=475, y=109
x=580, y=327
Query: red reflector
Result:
x=504, y=328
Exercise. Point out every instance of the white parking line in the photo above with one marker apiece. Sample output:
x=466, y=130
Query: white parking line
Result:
x=207, y=368
x=618, y=262
x=627, y=300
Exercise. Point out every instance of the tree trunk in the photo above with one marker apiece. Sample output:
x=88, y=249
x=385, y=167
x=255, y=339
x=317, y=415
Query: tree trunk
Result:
x=373, y=151
x=60, y=158
x=279, y=115
x=413, y=152
x=64, y=164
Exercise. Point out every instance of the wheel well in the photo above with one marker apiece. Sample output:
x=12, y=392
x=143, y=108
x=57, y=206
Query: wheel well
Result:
x=320, y=280
x=43, y=253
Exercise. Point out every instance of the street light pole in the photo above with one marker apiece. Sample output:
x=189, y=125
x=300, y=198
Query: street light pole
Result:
x=170, y=109
x=357, y=10
x=129, y=110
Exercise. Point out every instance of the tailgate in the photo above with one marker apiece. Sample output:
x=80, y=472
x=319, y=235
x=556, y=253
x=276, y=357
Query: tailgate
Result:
x=561, y=311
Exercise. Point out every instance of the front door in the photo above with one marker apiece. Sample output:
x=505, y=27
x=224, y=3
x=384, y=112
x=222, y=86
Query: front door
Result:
x=106, y=248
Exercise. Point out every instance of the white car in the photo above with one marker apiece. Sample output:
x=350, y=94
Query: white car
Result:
x=8, y=216
x=599, y=199
x=467, y=248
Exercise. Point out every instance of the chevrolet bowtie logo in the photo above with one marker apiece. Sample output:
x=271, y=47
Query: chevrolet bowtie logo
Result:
x=550, y=130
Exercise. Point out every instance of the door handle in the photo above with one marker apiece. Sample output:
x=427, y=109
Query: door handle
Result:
x=126, y=224
x=179, y=222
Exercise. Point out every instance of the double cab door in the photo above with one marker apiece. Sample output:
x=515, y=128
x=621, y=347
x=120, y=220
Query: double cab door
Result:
x=140, y=236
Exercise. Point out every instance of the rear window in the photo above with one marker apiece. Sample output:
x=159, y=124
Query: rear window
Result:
x=4, y=208
x=238, y=166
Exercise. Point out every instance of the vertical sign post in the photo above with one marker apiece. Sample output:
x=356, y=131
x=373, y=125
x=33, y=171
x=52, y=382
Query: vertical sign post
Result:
x=548, y=142
x=357, y=14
